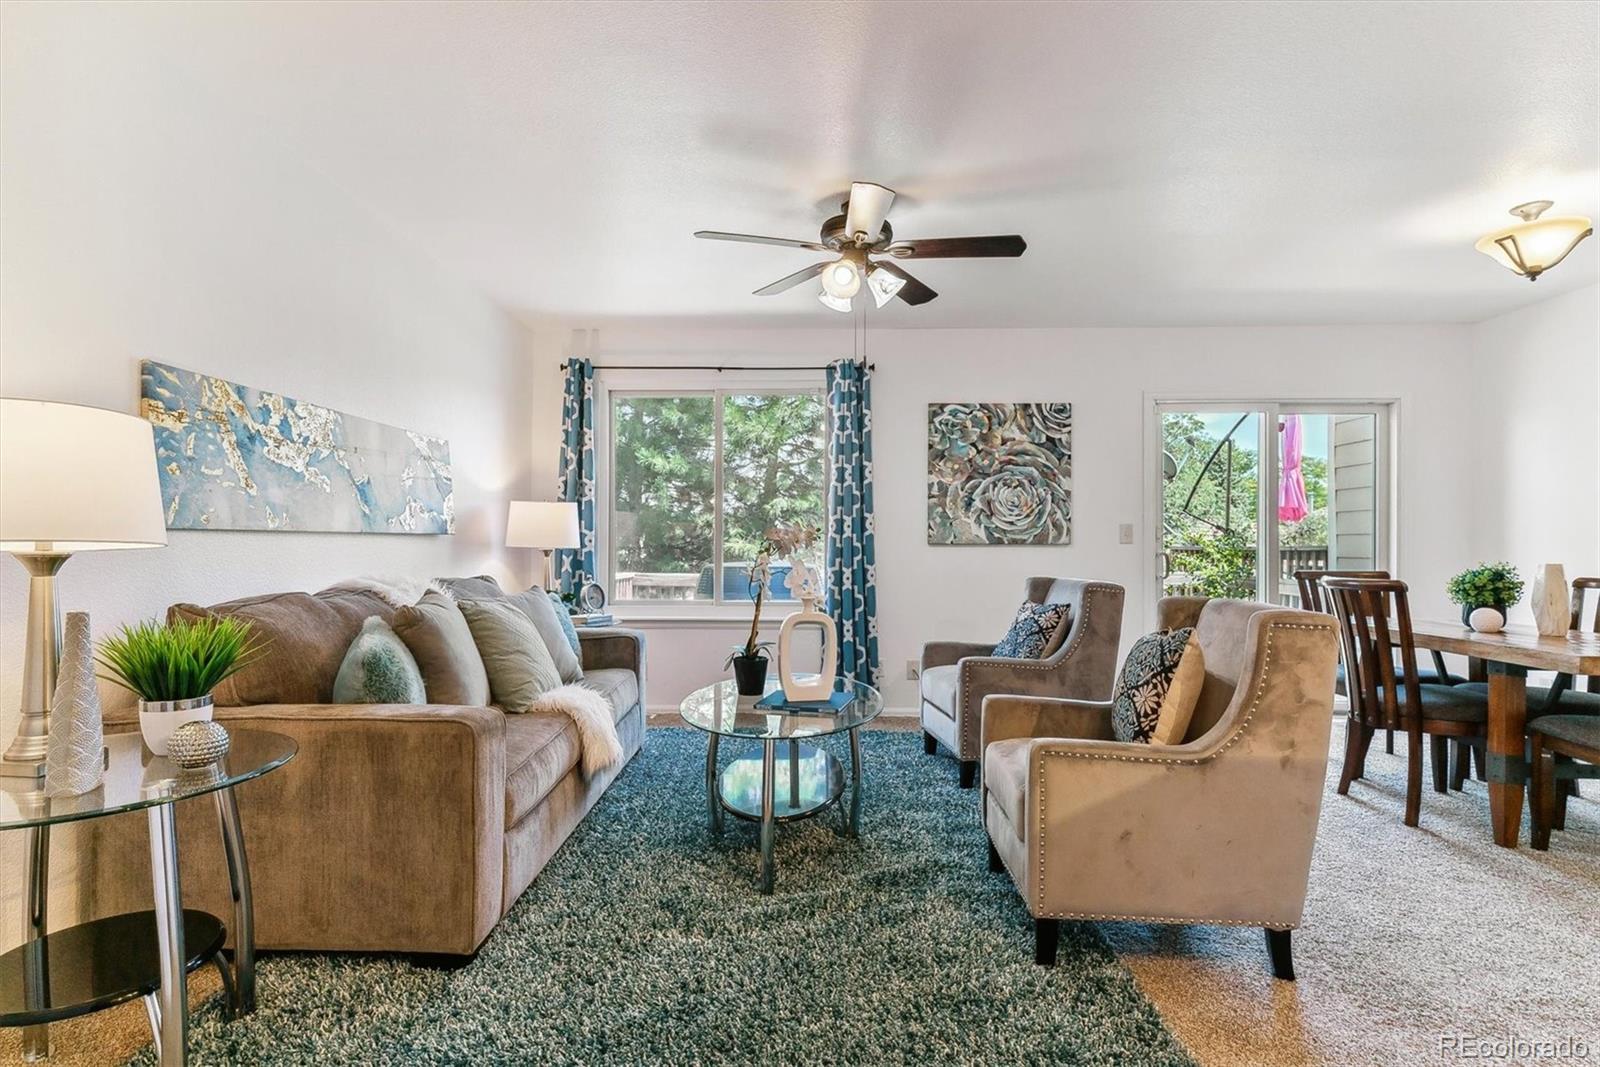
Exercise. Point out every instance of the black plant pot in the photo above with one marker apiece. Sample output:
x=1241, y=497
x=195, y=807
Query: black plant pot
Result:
x=1468, y=609
x=750, y=674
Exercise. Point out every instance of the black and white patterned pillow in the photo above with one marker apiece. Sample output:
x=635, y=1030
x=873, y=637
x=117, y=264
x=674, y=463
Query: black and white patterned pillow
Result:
x=1142, y=686
x=1032, y=630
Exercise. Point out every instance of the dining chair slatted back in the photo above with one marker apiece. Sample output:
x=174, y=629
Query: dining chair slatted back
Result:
x=1313, y=598
x=1580, y=588
x=1374, y=622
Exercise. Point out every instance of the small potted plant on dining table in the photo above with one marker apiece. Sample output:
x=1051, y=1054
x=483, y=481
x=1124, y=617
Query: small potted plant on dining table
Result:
x=174, y=667
x=1488, y=585
x=749, y=660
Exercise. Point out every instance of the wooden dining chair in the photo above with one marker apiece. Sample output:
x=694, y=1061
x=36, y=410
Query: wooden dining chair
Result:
x=1564, y=748
x=1386, y=690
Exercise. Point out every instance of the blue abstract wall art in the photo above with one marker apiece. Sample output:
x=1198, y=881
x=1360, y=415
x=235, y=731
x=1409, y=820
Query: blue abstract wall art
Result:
x=233, y=457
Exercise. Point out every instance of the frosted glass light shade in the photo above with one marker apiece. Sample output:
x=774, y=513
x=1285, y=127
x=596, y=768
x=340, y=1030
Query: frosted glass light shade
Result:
x=828, y=300
x=542, y=524
x=883, y=285
x=76, y=479
x=841, y=279
x=1533, y=246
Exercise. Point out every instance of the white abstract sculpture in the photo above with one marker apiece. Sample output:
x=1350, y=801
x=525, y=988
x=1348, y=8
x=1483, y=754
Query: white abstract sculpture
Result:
x=1552, y=605
x=75, y=759
x=1486, y=621
x=803, y=584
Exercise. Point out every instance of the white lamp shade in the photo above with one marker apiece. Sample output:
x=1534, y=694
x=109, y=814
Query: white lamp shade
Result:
x=76, y=479
x=542, y=524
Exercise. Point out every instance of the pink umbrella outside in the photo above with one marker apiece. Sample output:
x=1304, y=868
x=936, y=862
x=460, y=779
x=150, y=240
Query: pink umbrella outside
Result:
x=1292, y=502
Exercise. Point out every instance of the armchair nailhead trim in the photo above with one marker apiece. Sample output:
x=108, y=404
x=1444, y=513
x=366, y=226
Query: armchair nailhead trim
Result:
x=1232, y=738
x=970, y=717
x=1276, y=924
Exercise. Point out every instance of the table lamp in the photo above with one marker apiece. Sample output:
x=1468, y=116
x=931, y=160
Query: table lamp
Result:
x=543, y=524
x=72, y=479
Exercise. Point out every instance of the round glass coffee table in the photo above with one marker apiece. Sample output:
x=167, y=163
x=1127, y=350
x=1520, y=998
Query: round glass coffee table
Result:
x=764, y=788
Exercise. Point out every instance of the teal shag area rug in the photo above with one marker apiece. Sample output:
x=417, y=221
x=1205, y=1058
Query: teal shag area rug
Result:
x=644, y=941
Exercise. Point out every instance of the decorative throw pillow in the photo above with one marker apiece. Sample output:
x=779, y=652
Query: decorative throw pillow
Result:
x=1032, y=630
x=378, y=669
x=1183, y=695
x=566, y=625
x=519, y=666
x=1144, y=681
x=546, y=618
x=438, y=637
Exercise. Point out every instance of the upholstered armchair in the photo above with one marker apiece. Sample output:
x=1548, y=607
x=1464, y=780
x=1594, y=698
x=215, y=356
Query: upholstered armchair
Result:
x=1217, y=830
x=957, y=675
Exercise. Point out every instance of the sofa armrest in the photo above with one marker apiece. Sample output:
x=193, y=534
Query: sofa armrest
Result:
x=384, y=833
x=944, y=653
x=611, y=647
x=1006, y=717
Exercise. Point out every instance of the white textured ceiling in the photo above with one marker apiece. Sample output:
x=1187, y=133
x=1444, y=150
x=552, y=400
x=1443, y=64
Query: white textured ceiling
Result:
x=1168, y=163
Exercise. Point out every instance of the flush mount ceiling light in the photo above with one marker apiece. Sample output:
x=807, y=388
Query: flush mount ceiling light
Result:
x=862, y=231
x=1535, y=244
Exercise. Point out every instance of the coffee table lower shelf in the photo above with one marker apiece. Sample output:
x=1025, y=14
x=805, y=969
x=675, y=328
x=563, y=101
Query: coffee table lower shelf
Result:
x=806, y=779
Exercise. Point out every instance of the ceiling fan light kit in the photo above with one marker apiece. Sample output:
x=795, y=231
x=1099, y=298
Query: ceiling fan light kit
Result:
x=1535, y=244
x=860, y=231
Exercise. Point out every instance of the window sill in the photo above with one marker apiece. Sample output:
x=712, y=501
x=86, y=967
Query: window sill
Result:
x=696, y=621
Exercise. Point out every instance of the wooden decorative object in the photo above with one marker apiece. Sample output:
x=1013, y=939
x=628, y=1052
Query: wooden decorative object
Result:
x=1551, y=607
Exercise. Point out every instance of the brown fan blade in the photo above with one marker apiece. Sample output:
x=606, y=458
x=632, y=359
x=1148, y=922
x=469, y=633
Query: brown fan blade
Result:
x=959, y=247
x=866, y=209
x=912, y=292
x=717, y=235
x=792, y=280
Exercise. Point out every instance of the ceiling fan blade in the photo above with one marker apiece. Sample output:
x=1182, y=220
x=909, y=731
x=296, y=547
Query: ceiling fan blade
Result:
x=717, y=235
x=912, y=292
x=1009, y=245
x=868, y=207
x=792, y=280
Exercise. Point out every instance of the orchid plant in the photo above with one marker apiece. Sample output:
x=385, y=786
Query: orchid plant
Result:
x=784, y=542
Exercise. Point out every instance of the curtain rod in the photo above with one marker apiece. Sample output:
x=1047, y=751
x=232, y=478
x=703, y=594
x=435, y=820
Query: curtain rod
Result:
x=658, y=366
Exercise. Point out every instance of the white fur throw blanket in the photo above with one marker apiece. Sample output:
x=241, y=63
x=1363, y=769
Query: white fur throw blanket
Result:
x=398, y=590
x=590, y=712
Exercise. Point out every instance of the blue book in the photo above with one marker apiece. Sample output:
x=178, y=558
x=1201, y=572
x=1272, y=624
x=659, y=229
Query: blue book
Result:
x=776, y=701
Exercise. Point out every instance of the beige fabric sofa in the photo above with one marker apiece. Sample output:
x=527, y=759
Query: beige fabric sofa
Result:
x=957, y=675
x=1217, y=830
x=409, y=828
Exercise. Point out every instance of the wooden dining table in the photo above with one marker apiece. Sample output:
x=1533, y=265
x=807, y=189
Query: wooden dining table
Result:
x=1508, y=656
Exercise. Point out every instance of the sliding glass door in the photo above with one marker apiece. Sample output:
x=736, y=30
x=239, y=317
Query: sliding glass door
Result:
x=1250, y=493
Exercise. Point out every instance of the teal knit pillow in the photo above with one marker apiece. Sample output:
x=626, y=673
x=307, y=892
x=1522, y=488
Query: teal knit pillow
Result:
x=378, y=669
x=566, y=623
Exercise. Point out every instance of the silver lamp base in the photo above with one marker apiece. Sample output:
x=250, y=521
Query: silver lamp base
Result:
x=25, y=756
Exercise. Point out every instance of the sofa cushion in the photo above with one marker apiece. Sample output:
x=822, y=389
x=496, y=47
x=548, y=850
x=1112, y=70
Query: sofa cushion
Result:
x=441, y=642
x=541, y=749
x=1005, y=778
x=536, y=605
x=303, y=642
x=478, y=587
x=617, y=685
x=514, y=655
x=939, y=687
x=1143, y=682
x=378, y=669
x=1033, y=630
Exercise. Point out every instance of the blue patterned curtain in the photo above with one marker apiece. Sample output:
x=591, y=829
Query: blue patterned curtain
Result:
x=574, y=566
x=851, y=555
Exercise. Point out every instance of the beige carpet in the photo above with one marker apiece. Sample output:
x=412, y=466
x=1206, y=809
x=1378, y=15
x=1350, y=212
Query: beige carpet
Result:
x=1410, y=936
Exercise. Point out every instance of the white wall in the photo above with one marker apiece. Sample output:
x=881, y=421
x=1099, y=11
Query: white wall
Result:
x=1538, y=429
x=960, y=592
x=138, y=222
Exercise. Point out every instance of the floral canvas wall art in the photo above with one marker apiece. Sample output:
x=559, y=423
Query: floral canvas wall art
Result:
x=999, y=474
x=233, y=457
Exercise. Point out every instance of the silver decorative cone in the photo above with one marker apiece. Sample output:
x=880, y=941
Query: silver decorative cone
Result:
x=75, y=758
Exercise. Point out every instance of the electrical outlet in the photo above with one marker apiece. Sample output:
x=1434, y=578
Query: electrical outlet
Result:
x=913, y=668
x=1125, y=534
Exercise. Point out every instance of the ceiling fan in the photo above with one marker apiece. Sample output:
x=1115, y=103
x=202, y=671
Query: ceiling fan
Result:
x=860, y=232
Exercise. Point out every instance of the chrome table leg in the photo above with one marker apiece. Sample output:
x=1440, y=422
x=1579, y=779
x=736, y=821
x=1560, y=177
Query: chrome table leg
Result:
x=152, y=1011
x=794, y=774
x=36, y=1039
x=769, y=824
x=713, y=801
x=244, y=923
x=172, y=999
x=855, y=782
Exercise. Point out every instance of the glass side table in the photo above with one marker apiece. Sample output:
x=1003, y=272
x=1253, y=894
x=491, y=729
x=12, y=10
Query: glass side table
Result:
x=94, y=965
x=764, y=789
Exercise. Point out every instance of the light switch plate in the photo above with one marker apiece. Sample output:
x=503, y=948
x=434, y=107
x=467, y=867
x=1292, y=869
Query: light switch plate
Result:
x=1125, y=534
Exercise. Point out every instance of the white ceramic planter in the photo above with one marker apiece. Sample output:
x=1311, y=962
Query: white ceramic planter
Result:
x=158, y=718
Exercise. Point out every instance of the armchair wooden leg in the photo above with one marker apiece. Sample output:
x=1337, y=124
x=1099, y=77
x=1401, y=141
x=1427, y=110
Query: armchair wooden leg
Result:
x=1046, y=935
x=1281, y=954
x=929, y=745
x=969, y=773
x=995, y=863
x=1439, y=756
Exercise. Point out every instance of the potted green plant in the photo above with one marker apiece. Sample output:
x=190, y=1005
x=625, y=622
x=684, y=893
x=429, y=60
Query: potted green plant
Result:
x=1488, y=585
x=174, y=667
x=749, y=660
